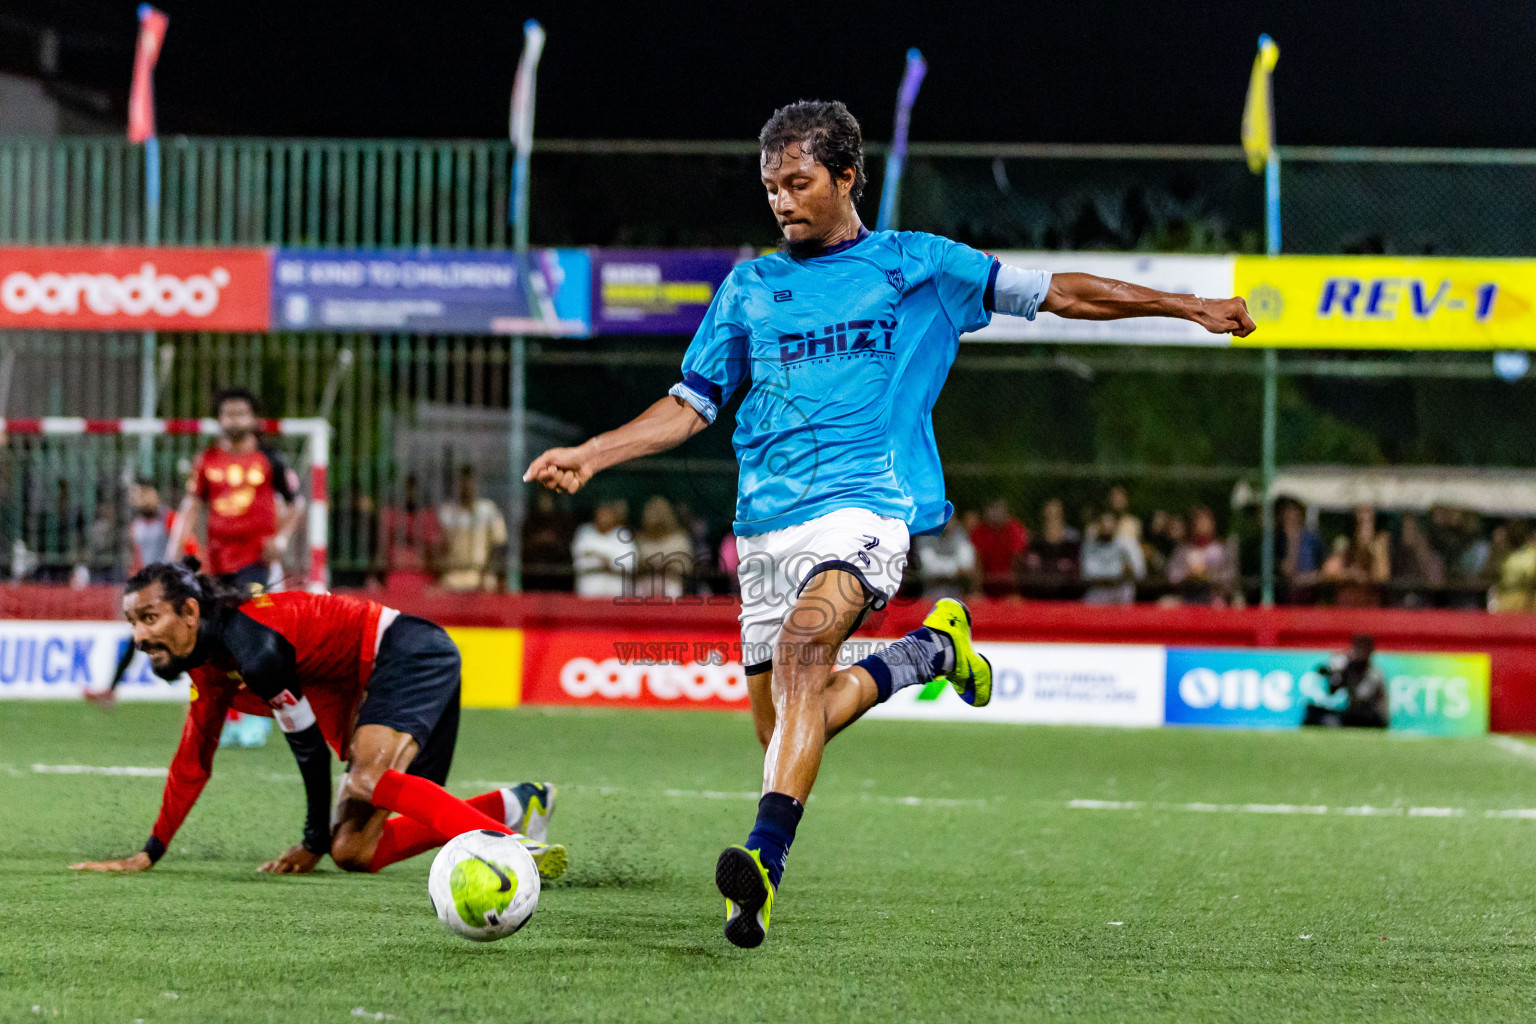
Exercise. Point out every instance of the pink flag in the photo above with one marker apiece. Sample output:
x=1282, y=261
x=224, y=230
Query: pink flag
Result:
x=141, y=97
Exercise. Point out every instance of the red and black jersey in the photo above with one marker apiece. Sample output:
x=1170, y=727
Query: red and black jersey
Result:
x=274, y=653
x=241, y=491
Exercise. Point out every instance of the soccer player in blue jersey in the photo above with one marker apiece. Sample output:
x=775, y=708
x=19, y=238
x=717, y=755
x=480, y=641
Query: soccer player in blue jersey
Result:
x=842, y=340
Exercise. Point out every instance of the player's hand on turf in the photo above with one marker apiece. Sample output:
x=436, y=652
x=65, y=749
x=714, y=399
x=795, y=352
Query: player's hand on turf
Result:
x=1225, y=316
x=104, y=699
x=560, y=469
x=297, y=861
x=138, y=862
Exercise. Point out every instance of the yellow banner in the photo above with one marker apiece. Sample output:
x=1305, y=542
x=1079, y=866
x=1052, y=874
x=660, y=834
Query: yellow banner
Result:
x=1388, y=302
x=493, y=666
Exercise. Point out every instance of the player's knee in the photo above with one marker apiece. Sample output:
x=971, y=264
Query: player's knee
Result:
x=361, y=780
x=349, y=853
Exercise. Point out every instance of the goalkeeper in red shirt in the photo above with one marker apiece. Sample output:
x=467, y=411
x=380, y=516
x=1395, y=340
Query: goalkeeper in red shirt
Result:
x=250, y=494
x=379, y=688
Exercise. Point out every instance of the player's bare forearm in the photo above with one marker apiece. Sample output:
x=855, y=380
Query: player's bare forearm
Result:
x=1089, y=297
x=665, y=425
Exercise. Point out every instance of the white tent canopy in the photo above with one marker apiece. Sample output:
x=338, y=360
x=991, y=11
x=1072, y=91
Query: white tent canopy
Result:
x=1501, y=492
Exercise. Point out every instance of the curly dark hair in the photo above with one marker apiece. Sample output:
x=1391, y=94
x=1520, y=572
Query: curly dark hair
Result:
x=181, y=580
x=235, y=394
x=824, y=129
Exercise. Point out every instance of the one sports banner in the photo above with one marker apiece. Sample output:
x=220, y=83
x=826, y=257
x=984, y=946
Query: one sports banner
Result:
x=633, y=668
x=1388, y=302
x=1443, y=694
x=656, y=291
x=1051, y=684
x=542, y=292
x=61, y=660
x=112, y=288
x=1196, y=275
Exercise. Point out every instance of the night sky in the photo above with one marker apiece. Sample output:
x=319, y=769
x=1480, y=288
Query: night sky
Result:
x=1407, y=73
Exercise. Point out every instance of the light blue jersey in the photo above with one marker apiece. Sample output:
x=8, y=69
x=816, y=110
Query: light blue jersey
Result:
x=843, y=355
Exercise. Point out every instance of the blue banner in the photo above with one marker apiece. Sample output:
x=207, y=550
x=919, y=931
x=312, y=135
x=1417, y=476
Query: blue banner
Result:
x=1253, y=688
x=656, y=291
x=542, y=292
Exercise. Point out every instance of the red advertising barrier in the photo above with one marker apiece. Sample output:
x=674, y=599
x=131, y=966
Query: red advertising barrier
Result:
x=562, y=628
x=114, y=288
x=627, y=667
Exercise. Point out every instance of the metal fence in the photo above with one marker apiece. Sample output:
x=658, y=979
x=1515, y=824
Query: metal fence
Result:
x=1062, y=421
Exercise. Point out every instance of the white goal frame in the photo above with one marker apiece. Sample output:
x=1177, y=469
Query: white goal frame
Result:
x=317, y=450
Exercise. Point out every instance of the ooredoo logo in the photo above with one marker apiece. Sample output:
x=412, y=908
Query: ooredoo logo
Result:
x=136, y=294
x=613, y=679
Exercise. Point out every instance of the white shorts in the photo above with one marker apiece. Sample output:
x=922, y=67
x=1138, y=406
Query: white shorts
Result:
x=775, y=567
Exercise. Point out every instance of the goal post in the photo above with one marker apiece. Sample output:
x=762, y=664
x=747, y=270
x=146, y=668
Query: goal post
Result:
x=313, y=436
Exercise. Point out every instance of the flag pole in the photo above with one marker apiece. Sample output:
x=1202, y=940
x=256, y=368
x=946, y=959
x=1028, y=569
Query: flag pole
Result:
x=520, y=130
x=1259, y=141
x=896, y=159
x=141, y=128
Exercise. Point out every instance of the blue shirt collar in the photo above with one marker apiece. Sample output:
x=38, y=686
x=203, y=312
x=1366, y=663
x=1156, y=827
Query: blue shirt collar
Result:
x=841, y=246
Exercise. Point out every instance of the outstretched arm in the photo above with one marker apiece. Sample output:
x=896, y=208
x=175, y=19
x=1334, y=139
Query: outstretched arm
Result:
x=667, y=424
x=1087, y=297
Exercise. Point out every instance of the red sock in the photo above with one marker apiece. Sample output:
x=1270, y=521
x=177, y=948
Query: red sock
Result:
x=430, y=804
x=405, y=838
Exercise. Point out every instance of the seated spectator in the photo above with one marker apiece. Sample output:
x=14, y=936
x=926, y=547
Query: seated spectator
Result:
x=1516, y=589
x=474, y=538
x=547, y=537
x=1111, y=561
x=1359, y=565
x=1050, y=564
x=410, y=536
x=1163, y=538
x=1000, y=541
x=1298, y=554
x=603, y=552
x=947, y=563
x=665, y=552
x=1418, y=570
x=1202, y=569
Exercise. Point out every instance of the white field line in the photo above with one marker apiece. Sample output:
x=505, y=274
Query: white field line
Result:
x=1510, y=745
x=1311, y=809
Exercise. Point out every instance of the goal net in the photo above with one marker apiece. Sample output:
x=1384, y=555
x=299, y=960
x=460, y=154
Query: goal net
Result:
x=68, y=485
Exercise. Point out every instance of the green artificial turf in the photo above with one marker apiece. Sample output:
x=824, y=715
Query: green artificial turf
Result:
x=941, y=873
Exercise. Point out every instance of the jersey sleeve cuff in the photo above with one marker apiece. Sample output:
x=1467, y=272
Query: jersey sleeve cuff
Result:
x=700, y=402
x=155, y=848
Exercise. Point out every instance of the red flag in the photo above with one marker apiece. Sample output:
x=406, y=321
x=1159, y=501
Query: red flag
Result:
x=141, y=97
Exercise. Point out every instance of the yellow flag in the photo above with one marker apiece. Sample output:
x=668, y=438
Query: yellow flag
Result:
x=1259, y=110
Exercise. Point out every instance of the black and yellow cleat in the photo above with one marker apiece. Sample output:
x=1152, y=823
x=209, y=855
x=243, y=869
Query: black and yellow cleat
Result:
x=549, y=857
x=972, y=674
x=743, y=881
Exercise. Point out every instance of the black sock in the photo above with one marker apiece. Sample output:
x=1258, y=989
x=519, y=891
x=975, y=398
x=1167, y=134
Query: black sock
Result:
x=778, y=814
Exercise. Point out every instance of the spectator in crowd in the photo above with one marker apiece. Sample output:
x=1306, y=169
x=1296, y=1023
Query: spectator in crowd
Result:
x=1120, y=504
x=665, y=552
x=103, y=558
x=410, y=536
x=1360, y=564
x=1202, y=569
x=547, y=534
x=63, y=535
x=1165, y=535
x=1298, y=554
x=1418, y=570
x=603, y=552
x=947, y=563
x=474, y=538
x=1111, y=561
x=1000, y=541
x=365, y=527
x=1050, y=563
x=1516, y=588
x=150, y=529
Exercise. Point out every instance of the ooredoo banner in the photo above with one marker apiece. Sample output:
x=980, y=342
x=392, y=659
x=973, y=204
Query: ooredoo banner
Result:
x=614, y=668
x=1252, y=688
x=42, y=660
x=135, y=289
x=1051, y=684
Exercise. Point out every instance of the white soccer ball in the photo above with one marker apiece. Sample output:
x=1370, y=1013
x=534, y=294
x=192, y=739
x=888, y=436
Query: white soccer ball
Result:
x=484, y=885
